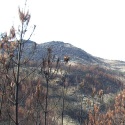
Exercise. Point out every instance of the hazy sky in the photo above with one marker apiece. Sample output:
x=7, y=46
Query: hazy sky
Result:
x=96, y=26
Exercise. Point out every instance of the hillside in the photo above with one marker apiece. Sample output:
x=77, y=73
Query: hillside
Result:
x=67, y=89
x=61, y=49
x=77, y=55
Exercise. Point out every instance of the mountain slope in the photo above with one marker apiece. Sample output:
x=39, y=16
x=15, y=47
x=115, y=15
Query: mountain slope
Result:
x=77, y=55
x=61, y=49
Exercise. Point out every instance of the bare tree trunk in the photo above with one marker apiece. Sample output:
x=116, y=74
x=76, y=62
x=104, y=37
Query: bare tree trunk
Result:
x=46, y=105
x=63, y=110
x=17, y=82
x=63, y=103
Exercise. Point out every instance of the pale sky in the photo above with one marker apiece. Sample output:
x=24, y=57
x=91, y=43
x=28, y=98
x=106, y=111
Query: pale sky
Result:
x=96, y=26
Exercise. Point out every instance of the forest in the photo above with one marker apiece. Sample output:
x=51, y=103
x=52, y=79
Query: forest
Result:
x=50, y=90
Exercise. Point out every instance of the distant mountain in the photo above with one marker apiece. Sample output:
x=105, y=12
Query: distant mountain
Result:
x=61, y=49
x=77, y=55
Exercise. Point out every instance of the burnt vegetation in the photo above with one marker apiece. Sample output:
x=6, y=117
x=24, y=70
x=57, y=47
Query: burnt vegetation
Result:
x=50, y=90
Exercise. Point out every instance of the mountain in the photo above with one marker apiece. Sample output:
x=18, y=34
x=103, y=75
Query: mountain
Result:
x=62, y=49
x=90, y=72
x=87, y=78
x=77, y=55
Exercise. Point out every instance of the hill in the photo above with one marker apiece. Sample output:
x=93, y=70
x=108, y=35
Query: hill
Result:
x=62, y=49
x=68, y=90
x=77, y=55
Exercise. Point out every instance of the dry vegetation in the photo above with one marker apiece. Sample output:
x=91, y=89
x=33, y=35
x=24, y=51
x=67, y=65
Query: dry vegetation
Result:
x=50, y=91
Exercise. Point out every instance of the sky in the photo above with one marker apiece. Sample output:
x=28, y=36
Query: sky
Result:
x=96, y=26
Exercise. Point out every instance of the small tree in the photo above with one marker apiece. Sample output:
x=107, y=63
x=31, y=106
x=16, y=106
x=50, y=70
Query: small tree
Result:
x=13, y=58
x=49, y=70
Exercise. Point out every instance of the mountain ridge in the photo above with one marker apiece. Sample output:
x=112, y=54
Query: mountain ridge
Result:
x=77, y=55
